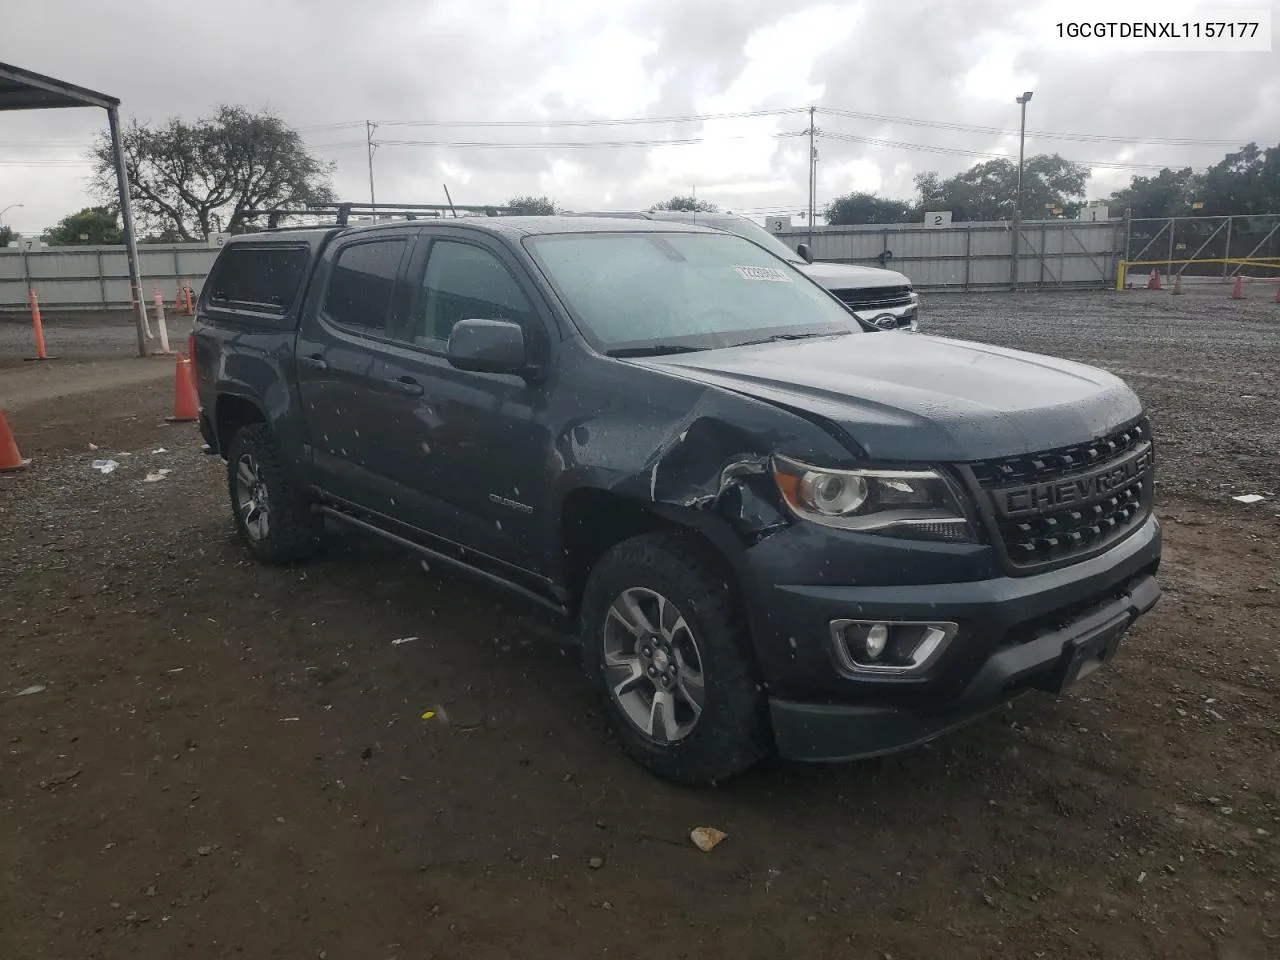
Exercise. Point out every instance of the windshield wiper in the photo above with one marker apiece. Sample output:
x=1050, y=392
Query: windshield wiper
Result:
x=782, y=336
x=653, y=350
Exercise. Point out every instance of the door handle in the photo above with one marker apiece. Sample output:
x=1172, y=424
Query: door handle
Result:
x=407, y=385
x=314, y=361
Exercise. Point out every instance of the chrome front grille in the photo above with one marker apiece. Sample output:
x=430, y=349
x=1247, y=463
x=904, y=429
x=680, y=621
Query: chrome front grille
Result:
x=875, y=298
x=1058, y=505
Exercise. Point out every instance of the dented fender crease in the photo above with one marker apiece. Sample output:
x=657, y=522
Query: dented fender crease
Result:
x=695, y=453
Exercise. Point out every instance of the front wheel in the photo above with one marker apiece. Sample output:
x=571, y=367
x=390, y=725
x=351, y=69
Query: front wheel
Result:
x=274, y=523
x=667, y=648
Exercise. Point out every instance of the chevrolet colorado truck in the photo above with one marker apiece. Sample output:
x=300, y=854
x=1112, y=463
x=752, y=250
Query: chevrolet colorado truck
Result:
x=772, y=530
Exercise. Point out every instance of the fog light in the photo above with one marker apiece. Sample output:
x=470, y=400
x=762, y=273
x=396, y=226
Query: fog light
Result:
x=876, y=640
x=890, y=647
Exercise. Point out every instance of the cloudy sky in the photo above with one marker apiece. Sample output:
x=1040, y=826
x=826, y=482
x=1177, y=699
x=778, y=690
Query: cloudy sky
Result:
x=951, y=68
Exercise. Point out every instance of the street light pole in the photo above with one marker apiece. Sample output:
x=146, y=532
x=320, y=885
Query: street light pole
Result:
x=12, y=206
x=1017, y=202
x=369, y=127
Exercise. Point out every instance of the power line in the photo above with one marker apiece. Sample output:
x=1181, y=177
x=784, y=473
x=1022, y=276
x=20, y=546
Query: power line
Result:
x=596, y=122
x=786, y=111
x=573, y=144
x=961, y=151
x=45, y=163
x=702, y=117
x=1041, y=134
x=336, y=125
x=45, y=143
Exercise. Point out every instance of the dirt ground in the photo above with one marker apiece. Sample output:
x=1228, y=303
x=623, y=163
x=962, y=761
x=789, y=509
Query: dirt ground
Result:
x=224, y=760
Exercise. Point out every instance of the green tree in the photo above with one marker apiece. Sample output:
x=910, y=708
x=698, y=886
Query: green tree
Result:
x=170, y=235
x=1244, y=182
x=92, y=225
x=185, y=175
x=854, y=208
x=1168, y=194
x=689, y=204
x=7, y=236
x=532, y=206
x=987, y=191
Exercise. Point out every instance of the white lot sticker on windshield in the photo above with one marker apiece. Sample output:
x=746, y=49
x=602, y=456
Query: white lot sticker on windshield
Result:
x=763, y=273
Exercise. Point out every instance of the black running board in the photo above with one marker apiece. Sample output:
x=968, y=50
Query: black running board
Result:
x=460, y=565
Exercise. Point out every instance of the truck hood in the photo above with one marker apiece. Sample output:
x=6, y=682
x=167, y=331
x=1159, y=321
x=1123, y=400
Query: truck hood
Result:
x=913, y=397
x=846, y=276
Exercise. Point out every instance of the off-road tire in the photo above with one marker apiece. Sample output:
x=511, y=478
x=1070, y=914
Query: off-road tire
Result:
x=732, y=732
x=293, y=531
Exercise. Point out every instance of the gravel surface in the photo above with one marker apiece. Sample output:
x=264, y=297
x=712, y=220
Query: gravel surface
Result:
x=203, y=757
x=1207, y=367
x=87, y=335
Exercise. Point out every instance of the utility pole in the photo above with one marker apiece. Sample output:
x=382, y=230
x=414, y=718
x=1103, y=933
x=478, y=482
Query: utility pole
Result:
x=369, y=127
x=1017, y=202
x=813, y=172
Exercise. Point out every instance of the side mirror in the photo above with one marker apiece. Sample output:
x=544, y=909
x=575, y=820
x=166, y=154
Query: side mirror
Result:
x=805, y=253
x=488, y=346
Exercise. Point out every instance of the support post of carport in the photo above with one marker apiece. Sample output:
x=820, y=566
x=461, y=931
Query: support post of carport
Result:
x=130, y=240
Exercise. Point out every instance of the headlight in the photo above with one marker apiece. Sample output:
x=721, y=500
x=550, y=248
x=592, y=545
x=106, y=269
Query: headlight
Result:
x=918, y=504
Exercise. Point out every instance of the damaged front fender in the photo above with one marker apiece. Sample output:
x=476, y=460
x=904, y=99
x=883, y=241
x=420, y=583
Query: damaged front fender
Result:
x=711, y=460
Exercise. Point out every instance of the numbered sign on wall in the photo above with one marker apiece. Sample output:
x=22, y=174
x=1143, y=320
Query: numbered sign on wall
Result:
x=937, y=218
x=778, y=224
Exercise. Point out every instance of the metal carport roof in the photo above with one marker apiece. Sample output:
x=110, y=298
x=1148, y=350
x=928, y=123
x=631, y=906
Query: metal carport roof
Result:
x=25, y=90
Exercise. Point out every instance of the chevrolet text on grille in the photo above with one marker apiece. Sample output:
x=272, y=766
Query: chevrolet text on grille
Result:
x=1018, y=501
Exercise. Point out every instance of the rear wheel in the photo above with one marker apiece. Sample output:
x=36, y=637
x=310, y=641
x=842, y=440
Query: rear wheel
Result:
x=667, y=648
x=274, y=523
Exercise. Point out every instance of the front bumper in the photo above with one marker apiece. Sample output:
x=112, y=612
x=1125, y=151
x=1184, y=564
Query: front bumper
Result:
x=1016, y=634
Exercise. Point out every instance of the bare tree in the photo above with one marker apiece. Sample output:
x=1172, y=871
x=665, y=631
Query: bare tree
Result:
x=188, y=178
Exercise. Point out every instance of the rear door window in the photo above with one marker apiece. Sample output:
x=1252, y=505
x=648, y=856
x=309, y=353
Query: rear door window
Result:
x=262, y=278
x=362, y=284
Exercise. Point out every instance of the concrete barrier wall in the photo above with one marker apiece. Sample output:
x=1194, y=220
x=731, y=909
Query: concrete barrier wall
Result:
x=98, y=277
x=965, y=256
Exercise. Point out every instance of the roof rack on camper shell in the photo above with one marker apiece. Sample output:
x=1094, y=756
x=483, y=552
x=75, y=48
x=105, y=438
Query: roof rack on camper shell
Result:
x=341, y=212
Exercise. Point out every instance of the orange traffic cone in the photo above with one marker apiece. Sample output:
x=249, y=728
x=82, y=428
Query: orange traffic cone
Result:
x=10, y=458
x=1237, y=288
x=1153, y=283
x=186, y=407
x=1177, y=284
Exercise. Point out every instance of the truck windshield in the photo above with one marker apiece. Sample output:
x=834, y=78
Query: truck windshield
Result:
x=673, y=292
x=752, y=231
x=732, y=223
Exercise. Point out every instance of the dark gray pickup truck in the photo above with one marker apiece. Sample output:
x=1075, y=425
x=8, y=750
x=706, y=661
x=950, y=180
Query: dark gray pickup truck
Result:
x=773, y=530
